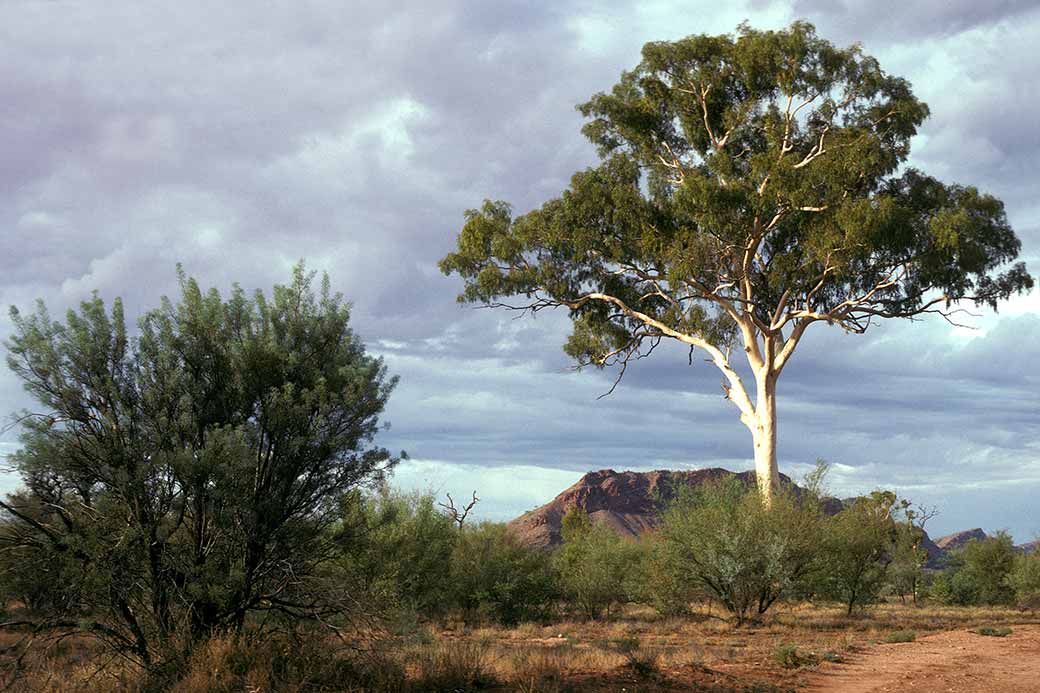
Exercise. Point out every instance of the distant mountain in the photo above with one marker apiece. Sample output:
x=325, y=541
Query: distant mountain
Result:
x=957, y=540
x=629, y=503
x=1029, y=547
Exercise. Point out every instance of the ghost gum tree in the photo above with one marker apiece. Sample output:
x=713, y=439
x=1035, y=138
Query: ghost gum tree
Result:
x=749, y=187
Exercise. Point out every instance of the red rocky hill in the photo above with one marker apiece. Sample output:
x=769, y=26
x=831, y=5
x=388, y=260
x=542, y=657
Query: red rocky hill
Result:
x=628, y=502
x=957, y=540
x=625, y=501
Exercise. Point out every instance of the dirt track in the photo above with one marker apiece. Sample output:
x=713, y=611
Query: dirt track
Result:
x=957, y=661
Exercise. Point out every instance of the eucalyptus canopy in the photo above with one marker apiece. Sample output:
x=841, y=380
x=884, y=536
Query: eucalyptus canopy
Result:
x=749, y=186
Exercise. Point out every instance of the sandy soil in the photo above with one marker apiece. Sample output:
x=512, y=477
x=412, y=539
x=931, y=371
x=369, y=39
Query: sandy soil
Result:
x=958, y=661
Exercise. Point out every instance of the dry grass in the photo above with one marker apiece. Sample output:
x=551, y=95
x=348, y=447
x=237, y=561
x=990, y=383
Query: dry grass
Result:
x=639, y=650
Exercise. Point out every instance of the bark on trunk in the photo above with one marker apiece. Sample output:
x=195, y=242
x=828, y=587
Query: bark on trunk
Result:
x=763, y=430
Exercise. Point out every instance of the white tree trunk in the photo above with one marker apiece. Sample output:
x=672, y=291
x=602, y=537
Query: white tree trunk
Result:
x=763, y=431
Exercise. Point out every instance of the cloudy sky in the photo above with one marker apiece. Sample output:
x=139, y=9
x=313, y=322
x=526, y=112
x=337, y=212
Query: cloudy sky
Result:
x=237, y=140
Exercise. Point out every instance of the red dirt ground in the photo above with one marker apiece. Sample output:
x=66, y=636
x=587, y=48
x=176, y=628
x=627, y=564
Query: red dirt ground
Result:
x=959, y=661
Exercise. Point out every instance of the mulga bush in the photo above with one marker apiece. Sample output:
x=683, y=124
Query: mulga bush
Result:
x=1025, y=580
x=397, y=549
x=598, y=569
x=661, y=583
x=857, y=547
x=743, y=552
x=496, y=576
x=981, y=573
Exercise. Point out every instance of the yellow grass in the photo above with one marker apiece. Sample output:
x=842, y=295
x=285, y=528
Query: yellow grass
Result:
x=643, y=650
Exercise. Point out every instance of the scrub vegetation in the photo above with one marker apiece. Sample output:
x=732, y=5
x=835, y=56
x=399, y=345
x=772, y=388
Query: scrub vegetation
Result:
x=204, y=505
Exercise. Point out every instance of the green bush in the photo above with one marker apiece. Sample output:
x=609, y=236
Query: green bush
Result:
x=993, y=632
x=901, y=636
x=857, y=548
x=743, y=552
x=661, y=583
x=397, y=548
x=495, y=576
x=790, y=657
x=597, y=568
x=980, y=573
x=1025, y=579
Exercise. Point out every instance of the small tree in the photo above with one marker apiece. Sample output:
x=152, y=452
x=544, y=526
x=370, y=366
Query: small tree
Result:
x=857, y=549
x=187, y=477
x=750, y=187
x=980, y=573
x=737, y=548
x=663, y=582
x=1025, y=579
x=496, y=576
x=598, y=569
x=909, y=555
x=398, y=548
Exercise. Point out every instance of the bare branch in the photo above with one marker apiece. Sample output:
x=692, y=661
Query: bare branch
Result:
x=459, y=516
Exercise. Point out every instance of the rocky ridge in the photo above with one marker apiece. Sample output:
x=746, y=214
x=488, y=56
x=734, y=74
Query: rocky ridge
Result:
x=628, y=502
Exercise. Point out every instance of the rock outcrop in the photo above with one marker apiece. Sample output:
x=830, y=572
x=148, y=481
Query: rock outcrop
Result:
x=628, y=502
x=1029, y=547
x=957, y=540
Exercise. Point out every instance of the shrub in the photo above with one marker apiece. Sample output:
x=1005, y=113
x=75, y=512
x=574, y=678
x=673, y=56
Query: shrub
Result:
x=183, y=476
x=901, y=636
x=728, y=542
x=1025, y=579
x=993, y=632
x=397, y=548
x=661, y=583
x=980, y=573
x=597, y=568
x=857, y=547
x=790, y=657
x=494, y=575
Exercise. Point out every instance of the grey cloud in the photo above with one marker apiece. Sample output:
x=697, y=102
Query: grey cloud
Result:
x=237, y=140
x=892, y=20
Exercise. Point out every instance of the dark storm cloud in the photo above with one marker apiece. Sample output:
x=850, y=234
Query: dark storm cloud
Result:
x=237, y=140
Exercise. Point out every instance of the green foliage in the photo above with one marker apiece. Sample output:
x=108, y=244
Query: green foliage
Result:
x=773, y=142
x=857, y=548
x=398, y=549
x=597, y=568
x=901, y=636
x=906, y=572
x=980, y=573
x=662, y=582
x=575, y=524
x=791, y=657
x=498, y=577
x=186, y=478
x=743, y=552
x=993, y=632
x=1025, y=579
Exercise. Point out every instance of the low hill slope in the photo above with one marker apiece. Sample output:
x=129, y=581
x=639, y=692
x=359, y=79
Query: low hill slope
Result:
x=957, y=540
x=629, y=503
x=625, y=501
